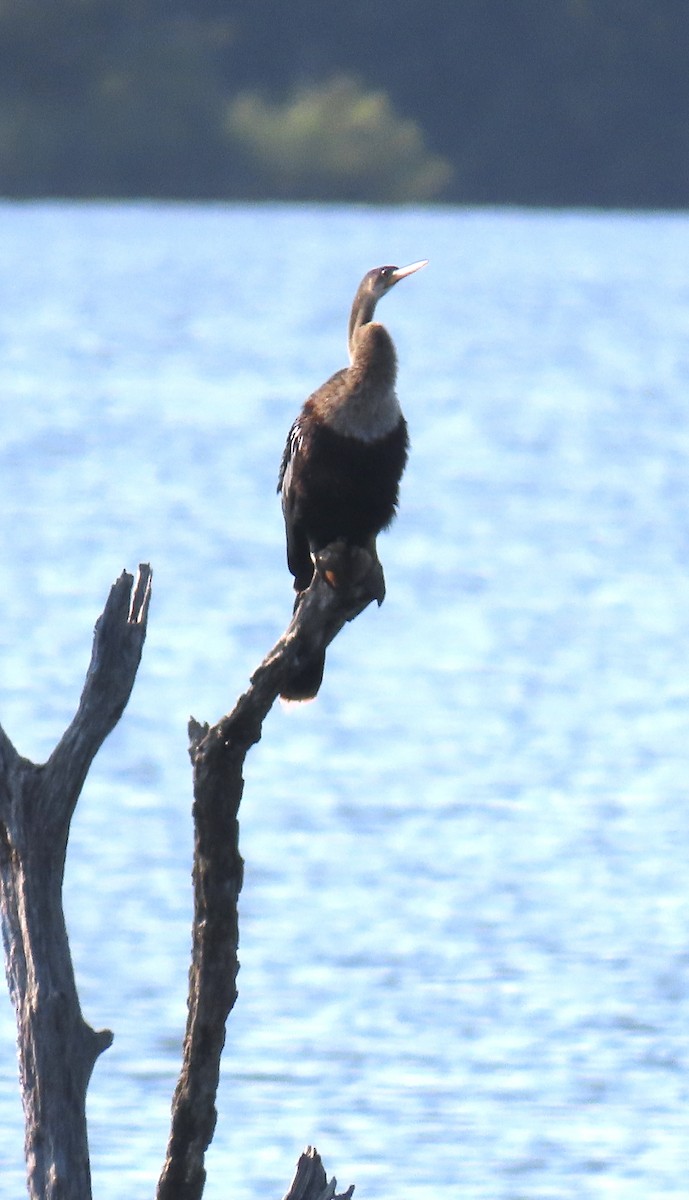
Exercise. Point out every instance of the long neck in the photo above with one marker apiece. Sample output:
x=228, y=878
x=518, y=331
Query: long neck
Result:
x=363, y=308
x=374, y=362
x=364, y=404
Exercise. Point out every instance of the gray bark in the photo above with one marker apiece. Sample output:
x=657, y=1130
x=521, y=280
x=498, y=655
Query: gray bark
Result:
x=57, y=1047
x=218, y=754
x=311, y=1182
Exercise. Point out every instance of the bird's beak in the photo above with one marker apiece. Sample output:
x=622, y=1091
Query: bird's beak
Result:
x=402, y=272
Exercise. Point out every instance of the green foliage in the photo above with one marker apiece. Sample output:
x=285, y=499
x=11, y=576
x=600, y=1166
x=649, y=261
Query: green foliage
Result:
x=337, y=141
x=516, y=101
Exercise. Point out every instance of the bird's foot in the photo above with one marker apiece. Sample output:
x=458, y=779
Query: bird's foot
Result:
x=345, y=566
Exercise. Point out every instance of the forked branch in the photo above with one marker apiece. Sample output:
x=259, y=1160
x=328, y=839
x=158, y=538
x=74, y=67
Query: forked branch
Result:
x=57, y=1048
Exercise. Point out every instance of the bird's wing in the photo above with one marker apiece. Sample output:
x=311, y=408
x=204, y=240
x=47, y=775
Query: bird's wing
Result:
x=291, y=447
x=298, y=549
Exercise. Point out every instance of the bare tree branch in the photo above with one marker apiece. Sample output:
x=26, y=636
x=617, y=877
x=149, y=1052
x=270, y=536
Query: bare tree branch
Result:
x=118, y=642
x=311, y=1182
x=57, y=1048
x=218, y=754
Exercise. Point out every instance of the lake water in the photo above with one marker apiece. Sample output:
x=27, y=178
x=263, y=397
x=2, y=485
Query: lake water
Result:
x=465, y=922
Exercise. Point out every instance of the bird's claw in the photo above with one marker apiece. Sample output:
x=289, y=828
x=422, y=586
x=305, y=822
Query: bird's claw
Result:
x=343, y=566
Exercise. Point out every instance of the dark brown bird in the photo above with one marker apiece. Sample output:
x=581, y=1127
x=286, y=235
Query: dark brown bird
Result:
x=345, y=454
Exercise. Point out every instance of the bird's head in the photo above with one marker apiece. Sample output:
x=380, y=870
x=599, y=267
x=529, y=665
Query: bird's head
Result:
x=374, y=285
x=379, y=281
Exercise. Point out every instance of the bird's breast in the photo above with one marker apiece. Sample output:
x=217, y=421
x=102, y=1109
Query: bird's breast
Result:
x=365, y=413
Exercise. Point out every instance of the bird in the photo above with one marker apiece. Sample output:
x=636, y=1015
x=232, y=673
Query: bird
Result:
x=345, y=454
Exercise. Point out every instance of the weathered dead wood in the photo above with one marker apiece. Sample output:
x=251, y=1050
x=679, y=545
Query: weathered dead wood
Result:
x=218, y=754
x=57, y=1048
x=311, y=1182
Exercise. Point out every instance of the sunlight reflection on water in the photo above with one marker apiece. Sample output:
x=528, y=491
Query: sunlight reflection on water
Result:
x=464, y=924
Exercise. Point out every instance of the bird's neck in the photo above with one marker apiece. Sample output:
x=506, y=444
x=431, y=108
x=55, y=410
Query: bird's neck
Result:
x=374, y=362
x=363, y=309
x=367, y=407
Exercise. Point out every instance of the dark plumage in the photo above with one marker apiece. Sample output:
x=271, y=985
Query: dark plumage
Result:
x=345, y=453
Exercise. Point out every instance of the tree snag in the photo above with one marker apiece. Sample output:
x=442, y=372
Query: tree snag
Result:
x=57, y=1048
x=218, y=754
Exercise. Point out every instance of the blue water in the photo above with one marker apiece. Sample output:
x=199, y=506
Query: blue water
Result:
x=465, y=923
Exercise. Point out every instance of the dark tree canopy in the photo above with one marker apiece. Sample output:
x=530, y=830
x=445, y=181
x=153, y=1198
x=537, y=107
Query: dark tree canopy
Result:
x=473, y=101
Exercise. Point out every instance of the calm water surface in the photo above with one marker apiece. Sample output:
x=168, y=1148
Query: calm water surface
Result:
x=465, y=923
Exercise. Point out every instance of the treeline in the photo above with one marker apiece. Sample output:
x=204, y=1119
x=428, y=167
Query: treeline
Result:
x=542, y=102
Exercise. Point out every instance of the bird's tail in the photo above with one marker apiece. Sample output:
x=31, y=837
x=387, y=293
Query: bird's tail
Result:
x=305, y=678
